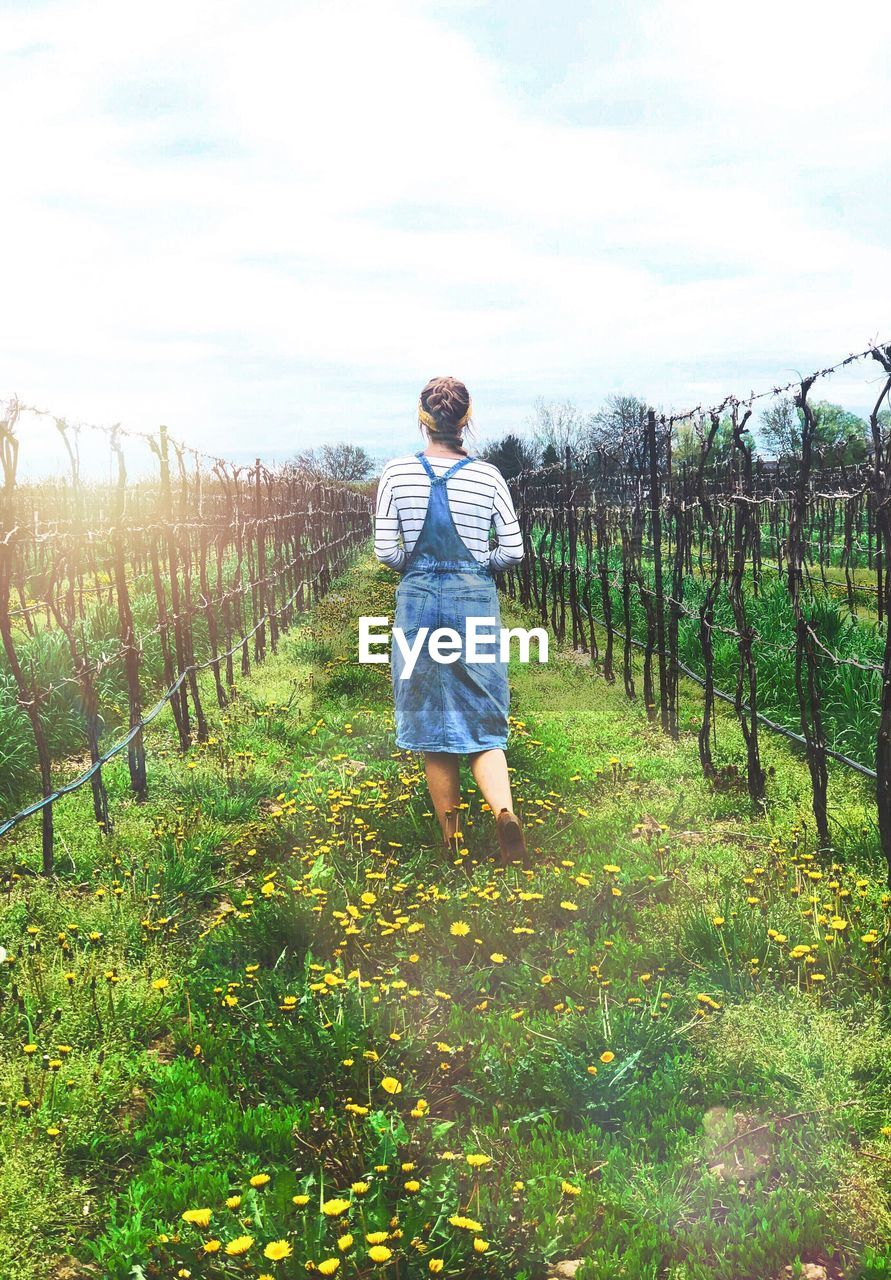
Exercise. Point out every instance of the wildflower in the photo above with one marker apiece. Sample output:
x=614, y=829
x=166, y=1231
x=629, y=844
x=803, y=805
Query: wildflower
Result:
x=376, y=1237
x=569, y=1189
x=459, y=929
x=478, y=1161
x=480, y=1246
x=259, y=1179
x=344, y=1242
x=335, y=1207
x=391, y=1085
x=380, y=1253
x=197, y=1217
x=235, y=1248
x=234, y=1202
x=276, y=1250
x=436, y=1265
x=359, y=1188
x=328, y=1267
x=497, y=958
x=607, y=1056
x=300, y=1200
x=717, y=921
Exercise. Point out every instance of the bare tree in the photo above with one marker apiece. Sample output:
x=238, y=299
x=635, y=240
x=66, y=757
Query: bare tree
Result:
x=780, y=428
x=619, y=430
x=348, y=463
x=555, y=425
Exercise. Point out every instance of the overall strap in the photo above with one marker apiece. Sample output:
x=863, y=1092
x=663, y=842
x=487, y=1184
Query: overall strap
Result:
x=447, y=475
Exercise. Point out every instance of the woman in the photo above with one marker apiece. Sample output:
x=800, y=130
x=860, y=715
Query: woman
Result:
x=435, y=510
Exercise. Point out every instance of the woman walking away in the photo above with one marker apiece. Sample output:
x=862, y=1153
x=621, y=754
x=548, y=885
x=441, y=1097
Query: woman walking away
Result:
x=435, y=511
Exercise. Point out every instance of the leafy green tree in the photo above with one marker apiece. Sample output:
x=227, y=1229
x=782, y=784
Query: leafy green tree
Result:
x=511, y=455
x=840, y=437
x=688, y=442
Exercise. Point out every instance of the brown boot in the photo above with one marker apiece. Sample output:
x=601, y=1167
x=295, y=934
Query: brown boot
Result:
x=510, y=837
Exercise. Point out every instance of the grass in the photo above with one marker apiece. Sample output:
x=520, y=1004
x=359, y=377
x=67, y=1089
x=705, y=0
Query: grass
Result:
x=269, y=1002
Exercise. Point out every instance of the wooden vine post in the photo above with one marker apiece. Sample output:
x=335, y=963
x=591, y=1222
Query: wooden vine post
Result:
x=656, y=531
x=882, y=506
x=129, y=643
x=28, y=694
x=807, y=682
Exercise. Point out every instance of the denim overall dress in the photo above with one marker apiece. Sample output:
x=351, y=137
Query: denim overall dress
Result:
x=455, y=706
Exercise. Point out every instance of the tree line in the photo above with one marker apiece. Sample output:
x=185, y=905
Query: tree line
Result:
x=617, y=431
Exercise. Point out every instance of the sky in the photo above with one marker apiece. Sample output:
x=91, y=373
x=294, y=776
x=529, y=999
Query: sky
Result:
x=267, y=224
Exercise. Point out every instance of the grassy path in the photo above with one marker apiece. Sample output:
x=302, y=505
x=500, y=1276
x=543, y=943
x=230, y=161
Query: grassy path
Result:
x=269, y=1002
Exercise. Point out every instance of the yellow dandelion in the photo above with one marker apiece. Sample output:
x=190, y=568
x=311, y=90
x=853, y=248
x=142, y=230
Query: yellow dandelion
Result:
x=380, y=1253
x=276, y=1250
x=391, y=1085
x=241, y=1244
x=335, y=1207
x=459, y=929
x=197, y=1217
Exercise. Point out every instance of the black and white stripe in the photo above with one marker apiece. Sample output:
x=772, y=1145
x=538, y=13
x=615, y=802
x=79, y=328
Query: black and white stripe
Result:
x=479, y=501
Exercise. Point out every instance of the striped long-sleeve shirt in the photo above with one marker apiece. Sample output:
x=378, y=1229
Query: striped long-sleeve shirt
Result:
x=478, y=499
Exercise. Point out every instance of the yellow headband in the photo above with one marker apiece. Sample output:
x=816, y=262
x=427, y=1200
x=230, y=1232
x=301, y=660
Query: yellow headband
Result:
x=432, y=425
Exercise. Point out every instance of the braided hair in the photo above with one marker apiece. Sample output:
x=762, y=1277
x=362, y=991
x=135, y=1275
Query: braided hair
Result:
x=445, y=407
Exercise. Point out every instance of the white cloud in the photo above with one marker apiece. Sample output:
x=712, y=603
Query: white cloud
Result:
x=265, y=223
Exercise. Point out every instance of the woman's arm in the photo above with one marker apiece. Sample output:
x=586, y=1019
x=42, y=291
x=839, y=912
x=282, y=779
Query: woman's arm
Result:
x=387, y=546
x=507, y=530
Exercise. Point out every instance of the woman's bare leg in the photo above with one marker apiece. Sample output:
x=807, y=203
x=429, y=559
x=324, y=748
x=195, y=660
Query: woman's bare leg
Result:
x=489, y=768
x=441, y=768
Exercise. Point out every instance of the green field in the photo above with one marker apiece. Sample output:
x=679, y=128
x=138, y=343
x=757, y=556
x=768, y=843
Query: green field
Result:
x=270, y=1003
